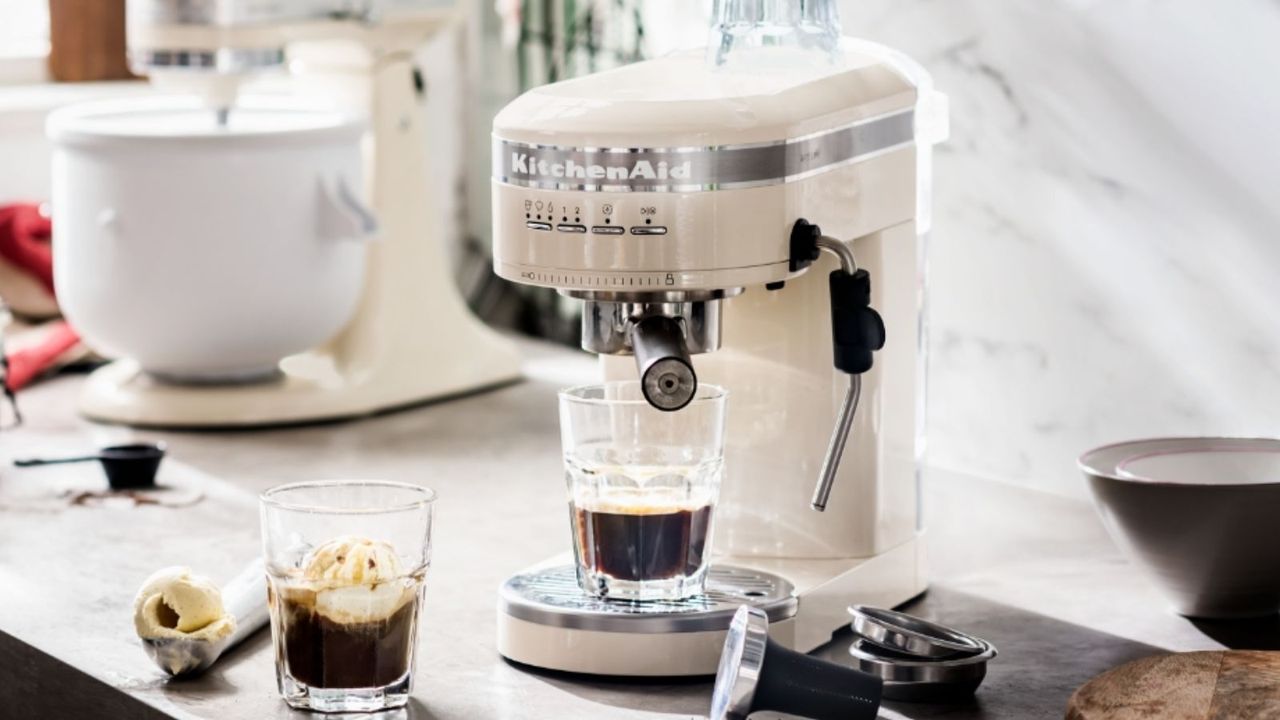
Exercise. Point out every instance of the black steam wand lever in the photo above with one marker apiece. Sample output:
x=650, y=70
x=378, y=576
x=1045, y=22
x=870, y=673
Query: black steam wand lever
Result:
x=857, y=330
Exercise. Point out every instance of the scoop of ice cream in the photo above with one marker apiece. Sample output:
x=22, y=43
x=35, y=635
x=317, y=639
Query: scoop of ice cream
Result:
x=174, y=603
x=358, y=580
x=351, y=560
x=363, y=603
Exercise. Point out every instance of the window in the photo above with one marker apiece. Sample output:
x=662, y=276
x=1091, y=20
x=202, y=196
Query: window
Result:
x=24, y=41
x=25, y=30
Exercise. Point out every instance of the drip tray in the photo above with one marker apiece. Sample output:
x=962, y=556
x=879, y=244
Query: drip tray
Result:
x=552, y=597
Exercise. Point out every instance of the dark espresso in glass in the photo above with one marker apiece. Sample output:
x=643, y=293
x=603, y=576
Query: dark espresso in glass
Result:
x=321, y=652
x=642, y=543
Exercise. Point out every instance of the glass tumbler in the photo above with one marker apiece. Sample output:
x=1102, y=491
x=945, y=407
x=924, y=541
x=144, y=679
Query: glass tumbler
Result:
x=643, y=485
x=346, y=561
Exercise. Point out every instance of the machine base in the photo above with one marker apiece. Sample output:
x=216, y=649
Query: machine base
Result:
x=311, y=387
x=643, y=644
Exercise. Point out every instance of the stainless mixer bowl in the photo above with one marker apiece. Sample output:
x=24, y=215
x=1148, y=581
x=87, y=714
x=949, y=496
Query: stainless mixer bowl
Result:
x=1200, y=515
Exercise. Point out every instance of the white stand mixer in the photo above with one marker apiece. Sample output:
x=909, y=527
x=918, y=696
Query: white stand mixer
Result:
x=412, y=338
x=678, y=189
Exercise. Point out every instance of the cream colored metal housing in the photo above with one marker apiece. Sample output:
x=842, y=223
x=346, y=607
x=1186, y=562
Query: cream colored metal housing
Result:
x=671, y=177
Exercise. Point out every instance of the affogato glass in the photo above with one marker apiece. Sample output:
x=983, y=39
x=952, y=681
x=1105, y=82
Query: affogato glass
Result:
x=643, y=485
x=346, y=562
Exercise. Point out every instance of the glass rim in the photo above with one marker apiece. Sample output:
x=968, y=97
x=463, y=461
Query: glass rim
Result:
x=268, y=497
x=570, y=394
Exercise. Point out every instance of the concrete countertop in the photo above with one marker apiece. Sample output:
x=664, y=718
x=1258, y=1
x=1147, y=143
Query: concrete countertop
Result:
x=1032, y=573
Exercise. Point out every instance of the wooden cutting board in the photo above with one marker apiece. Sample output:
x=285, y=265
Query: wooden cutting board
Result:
x=1242, y=685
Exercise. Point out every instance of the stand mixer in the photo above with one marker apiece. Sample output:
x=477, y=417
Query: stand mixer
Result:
x=411, y=337
x=681, y=199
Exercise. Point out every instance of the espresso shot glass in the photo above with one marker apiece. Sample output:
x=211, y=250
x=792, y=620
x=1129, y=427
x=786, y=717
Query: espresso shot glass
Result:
x=346, y=562
x=642, y=486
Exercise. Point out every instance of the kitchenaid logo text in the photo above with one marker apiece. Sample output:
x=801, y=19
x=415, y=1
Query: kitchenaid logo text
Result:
x=682, y=168
x=522, y=163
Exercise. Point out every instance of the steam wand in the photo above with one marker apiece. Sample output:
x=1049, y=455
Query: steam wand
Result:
x=857, y=330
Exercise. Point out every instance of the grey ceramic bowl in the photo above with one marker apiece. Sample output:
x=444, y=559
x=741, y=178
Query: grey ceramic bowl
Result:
x=1200, y=515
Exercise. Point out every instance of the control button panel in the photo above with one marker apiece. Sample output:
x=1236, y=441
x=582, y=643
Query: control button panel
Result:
x=606, y=218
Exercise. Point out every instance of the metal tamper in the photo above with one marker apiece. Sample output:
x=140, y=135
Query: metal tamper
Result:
x=758, y=674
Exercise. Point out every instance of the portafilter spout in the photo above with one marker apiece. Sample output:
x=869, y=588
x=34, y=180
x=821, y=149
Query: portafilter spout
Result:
x=662, y=360
x=662, y=331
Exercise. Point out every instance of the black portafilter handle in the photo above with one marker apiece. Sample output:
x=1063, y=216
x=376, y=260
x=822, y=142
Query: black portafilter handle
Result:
x=799, y=684
x=757, y=673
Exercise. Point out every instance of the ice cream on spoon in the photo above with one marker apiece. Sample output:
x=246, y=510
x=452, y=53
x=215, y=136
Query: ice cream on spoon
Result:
x=174, y=603
x=186, y=622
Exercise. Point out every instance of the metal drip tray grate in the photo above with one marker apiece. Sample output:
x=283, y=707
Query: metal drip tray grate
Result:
x=552, y=597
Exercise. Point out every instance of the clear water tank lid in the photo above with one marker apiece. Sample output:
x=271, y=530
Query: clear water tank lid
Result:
x=751, y=35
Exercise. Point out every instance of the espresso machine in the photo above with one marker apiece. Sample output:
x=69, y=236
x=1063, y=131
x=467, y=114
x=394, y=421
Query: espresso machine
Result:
x=410, y=337
x=754, y=216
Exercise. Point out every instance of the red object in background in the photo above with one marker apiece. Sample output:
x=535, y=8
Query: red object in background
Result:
x=29, y=363
x=25, y=241
x=25, y=236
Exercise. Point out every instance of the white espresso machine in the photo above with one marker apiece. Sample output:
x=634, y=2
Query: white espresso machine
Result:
x=691, y=188
x=410, y=336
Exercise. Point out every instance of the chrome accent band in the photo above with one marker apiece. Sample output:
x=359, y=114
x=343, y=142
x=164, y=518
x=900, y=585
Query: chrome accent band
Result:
x=239, y=13
x=222, y=60
x=696, y=169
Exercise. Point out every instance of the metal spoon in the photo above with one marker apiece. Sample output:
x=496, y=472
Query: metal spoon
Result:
x=127, y=466
x=245, y=599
